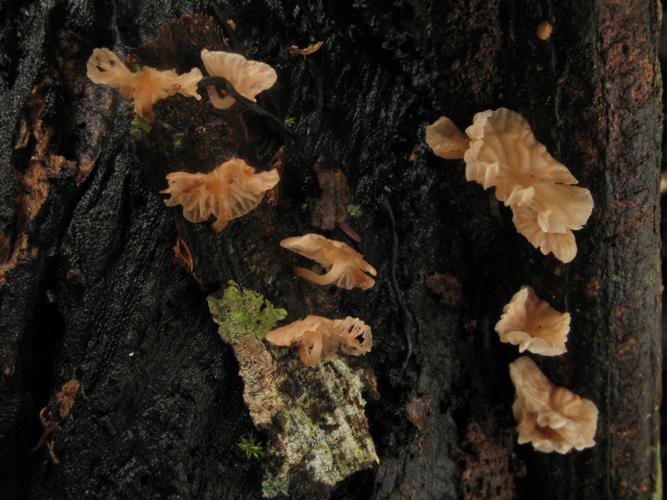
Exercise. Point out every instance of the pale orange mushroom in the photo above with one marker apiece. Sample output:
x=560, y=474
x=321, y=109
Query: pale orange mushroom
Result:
x=318, y=337
x=145, y=87
x=533, y=325
x=344, y=267
x=446, y=140
x=503, y=153
x=248, y=78
x=549, y=417
x=230, y=191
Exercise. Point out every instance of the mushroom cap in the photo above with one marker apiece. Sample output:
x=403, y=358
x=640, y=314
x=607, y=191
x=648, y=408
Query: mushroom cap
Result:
x=533, y=325
x=551, y=418
x=146, y=86
x=446, y=140
x=228, y=192
x=505, y=154
x=318, y=337
x=345, y=267
x=104, y=67
x=248, y=78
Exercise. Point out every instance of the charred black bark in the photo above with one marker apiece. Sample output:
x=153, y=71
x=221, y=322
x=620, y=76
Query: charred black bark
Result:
x=91, y=290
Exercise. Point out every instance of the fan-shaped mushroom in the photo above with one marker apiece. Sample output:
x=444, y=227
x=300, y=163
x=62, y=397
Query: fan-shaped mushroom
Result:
x=248, y=78
x=551, y=418
x=319, y=337
x=231, y=190
x=343, y=265
x=504, y=153
x=145, y=87
x=533, y=324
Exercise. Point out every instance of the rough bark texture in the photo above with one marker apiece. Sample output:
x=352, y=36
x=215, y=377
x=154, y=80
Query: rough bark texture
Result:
x=91, y=290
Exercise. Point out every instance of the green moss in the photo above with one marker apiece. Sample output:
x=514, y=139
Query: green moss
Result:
x=657, y=492
x=289, y=121
x=243, y=313
x=354, y=211
x=139, y=127
x=250, y=448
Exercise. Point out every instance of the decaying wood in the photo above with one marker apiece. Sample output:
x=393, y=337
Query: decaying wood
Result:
x=90, y=287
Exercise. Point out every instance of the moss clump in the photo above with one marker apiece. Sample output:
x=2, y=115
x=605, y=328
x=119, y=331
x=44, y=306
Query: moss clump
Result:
x=250, y=447
x=354, y=211
x=139, y=127
x=243, y=313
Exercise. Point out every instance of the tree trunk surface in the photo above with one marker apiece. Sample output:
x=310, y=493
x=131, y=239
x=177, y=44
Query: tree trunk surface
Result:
x=91, y=290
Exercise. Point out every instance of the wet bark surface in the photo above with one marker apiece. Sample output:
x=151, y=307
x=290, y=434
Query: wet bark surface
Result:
x=91, y=290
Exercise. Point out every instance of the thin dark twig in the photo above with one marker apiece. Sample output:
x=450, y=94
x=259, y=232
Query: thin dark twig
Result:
x=406, y=316
x=314, y=73
x=223, y=85
x=226, y=29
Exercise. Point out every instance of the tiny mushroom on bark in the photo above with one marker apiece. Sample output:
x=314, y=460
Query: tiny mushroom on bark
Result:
x=446, y=140
x=248, y=78
x=319, y=337
x=230, y=191
x=533, y=325
x=551, y=418
x=145, y=87
x=344, y=267
x=504, y=153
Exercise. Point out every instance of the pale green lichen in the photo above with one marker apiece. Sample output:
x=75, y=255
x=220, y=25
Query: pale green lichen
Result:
x=243, y=313
x=324, y=429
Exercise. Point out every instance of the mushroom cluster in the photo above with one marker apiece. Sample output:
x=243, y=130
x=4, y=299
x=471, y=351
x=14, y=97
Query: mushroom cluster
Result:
x=234, y=188
x=145, y=87
x=501, y=151
x=149, y=85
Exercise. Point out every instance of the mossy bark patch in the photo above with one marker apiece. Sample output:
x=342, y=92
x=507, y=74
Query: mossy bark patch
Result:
x=317, y=429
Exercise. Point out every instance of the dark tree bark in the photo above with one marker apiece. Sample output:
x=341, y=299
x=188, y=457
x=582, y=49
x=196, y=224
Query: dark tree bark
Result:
x=91, y=290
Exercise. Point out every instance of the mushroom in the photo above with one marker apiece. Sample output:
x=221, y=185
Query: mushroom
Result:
x=504, y=153
x=551, y=418
x=230, y=191
x=145, y=87
x=343, y=265
x=248, y=78
x=533, y=325
x=319, y=337
x=446, y=140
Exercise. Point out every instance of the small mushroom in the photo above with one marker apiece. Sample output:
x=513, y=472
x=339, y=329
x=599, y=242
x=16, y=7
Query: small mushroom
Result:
x=145, y=87
x=551, y=418
x=446, y=140
x=319, y=337
x=544, y=30
x=533, y=325
x=504, y=153
x=230, y=191
x=343, y=265
x=248, y=78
